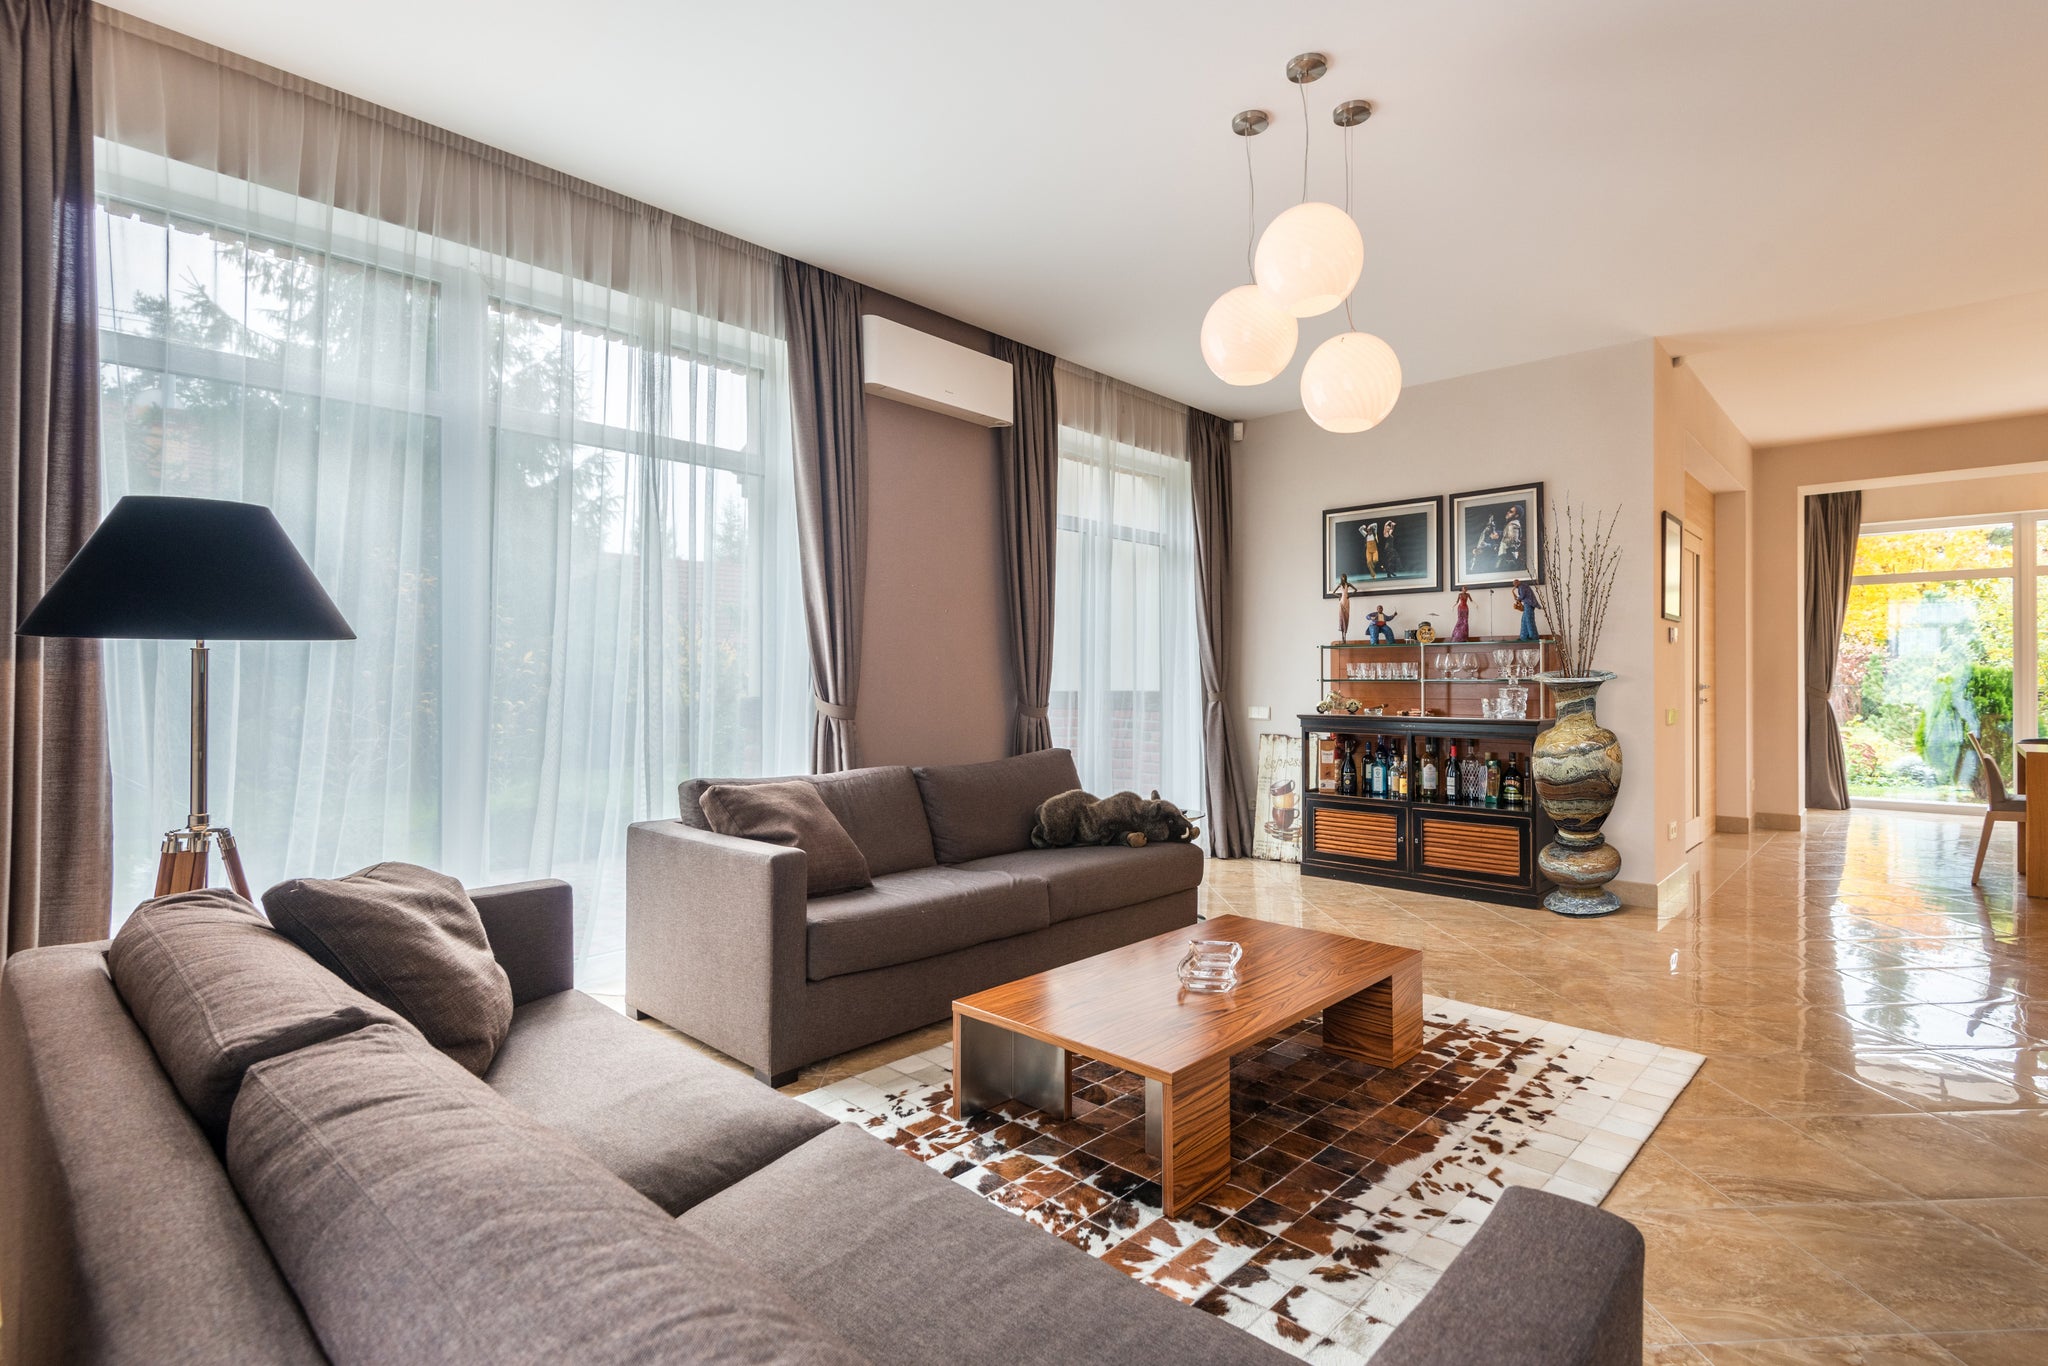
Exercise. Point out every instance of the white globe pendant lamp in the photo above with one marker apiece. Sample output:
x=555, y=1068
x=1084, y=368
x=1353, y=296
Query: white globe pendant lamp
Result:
x=1309, y=258
x=1246, y=339
x=1351, y=382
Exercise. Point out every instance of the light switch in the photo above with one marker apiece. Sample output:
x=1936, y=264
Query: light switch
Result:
x=1671, y=716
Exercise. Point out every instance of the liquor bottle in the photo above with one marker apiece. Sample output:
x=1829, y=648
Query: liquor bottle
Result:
x=1511, y=782
x=1492, y=779
x=1379, y=770
x=1451, y=775
x=1347, y=767
x=1430, y=775
x=1400, y=792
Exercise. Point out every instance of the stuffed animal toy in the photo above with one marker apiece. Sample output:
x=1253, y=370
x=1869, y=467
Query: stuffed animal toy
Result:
x=1079, y=817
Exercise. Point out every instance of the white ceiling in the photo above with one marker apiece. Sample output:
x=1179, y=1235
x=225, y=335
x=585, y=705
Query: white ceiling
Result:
x=1539, y=178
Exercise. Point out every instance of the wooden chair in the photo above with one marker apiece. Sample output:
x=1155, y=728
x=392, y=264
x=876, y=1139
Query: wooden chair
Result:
x=2002, y=806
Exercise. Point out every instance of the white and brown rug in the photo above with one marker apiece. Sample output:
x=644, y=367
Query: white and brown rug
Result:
x=1353, y=1186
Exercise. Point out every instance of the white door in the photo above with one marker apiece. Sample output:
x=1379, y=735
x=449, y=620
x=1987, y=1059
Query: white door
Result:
x=1699, y=697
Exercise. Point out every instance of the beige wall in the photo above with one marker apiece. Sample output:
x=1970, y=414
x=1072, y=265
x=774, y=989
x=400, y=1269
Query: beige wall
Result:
x=1928, y=456
x=1583, y=424
x=1697, y=441
x=935, y=656
x=1992, y=495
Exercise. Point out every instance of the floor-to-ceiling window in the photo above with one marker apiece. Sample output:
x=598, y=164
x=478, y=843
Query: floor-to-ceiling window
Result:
x=1126, y=676
x=1939, y=644
x=532, y=438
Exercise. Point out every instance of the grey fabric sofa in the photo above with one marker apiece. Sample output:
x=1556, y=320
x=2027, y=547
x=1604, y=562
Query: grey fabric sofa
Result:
x=722, y=943
x=602, y=1195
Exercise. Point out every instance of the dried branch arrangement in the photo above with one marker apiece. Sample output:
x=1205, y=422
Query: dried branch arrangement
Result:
x=1581, y=563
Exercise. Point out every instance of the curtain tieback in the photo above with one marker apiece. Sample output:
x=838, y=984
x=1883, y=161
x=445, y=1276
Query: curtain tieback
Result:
x=1031, y=713
x=834, y=711
x=1816, y=694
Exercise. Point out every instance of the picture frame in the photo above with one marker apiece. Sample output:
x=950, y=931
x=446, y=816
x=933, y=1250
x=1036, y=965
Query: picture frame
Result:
x=1385, y=548
x=1495, y=536
x=1672, y=608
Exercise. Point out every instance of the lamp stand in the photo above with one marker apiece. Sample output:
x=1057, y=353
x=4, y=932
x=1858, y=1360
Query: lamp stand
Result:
x=181, y=867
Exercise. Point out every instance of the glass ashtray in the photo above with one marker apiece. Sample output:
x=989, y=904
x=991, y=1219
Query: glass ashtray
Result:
x=1210, y=964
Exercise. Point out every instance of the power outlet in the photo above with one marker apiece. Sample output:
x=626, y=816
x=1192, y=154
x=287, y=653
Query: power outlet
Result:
x=1259, y=713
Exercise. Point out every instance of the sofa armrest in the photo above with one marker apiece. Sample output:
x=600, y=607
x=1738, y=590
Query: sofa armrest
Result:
x=1545, y=1281
x=716, y=939
x=532, y=929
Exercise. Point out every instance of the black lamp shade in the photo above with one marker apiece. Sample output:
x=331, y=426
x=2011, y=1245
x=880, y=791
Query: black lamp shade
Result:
x=187, y=569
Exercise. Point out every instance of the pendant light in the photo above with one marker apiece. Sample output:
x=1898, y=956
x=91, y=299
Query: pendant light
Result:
x=1353, y=380
x=1246, y=338
x=1309, y=258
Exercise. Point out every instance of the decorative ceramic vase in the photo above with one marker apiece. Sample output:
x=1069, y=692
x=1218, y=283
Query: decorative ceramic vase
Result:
x=1578, y=773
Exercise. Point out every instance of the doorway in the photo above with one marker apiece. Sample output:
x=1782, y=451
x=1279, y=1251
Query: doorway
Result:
x=1696, y=634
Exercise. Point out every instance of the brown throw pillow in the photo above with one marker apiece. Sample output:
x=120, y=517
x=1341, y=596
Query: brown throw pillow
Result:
x=795, y=816
x=410, y=938
x=217, y=991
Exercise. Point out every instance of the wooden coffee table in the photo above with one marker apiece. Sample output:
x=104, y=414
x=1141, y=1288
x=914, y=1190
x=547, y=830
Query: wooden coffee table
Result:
x=1126, y=1007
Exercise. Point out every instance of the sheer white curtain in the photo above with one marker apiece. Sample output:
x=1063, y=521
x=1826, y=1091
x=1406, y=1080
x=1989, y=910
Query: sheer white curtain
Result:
x=532, y=437
x=1126, y=675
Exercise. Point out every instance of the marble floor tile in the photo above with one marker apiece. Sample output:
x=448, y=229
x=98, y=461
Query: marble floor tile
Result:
x=1721, y=1275
x=2021, y=1224
x=1996, y=1349
x=1767, y=1161
x=1932, y=1269
x=1893, y=1350
x=1931, y=1156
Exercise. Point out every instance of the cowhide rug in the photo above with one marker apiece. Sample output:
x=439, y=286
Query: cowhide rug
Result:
x=1353, y=1187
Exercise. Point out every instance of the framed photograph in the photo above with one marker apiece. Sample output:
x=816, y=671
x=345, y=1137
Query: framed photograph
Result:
x=1674, y=568
x=1497, y=537
x=1384, y=547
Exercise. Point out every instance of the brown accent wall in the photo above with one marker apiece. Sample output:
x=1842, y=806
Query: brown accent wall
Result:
x=935, y=666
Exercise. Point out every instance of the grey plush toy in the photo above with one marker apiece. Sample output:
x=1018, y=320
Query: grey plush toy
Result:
x=1078, y=817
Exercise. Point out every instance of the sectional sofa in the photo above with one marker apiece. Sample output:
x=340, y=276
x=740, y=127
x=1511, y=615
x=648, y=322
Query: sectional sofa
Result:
x=723, y=943
x=602, y=1194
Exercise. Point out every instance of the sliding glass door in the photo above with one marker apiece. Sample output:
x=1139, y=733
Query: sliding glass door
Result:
x=1939, y=644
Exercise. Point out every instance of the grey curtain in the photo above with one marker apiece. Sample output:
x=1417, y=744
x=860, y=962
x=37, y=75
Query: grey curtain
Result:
x=1230, y=814
x=1832, y=523
x=830, y=434
x=55, y=842
x=1029, y=469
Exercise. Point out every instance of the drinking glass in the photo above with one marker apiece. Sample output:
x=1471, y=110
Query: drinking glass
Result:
x=1486, y=708
x=1210, y=965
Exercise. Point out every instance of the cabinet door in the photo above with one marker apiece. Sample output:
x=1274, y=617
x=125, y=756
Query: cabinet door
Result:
x=1473, y=846
x=1368, y=837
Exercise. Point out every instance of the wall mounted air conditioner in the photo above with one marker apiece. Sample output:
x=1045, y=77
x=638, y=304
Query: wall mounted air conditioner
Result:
x=929, y=372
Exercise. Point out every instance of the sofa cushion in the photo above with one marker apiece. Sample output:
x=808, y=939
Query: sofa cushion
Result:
x=879, y=807
x=793, y=815
x=216, y=990
x=409, y=937
x=919, y=914
x=668, y=1121
x=976, y=810
x=812, y=1222
x=1085, y=881
x=420, y=1217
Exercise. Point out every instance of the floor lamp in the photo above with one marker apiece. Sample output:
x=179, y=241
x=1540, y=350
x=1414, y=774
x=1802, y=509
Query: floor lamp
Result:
x=194, y=569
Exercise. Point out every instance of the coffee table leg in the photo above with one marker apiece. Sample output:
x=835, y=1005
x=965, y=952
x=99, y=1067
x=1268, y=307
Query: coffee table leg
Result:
x=1187, y=1127
x=1381, y=1025
x=991, y=1065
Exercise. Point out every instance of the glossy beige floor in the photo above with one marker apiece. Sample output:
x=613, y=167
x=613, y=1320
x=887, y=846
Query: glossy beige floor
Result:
x=1860, y=1172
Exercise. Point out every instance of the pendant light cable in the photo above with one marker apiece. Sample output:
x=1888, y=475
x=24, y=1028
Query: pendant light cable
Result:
x=1251, y=210
x=1348, y=323
x=1302, y=86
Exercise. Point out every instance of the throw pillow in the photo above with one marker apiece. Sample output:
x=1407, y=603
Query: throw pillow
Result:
x=795, y=816
x=216, y=991
x=411, y=938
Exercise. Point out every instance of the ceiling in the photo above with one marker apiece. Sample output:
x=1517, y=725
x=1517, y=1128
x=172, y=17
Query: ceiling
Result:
x=1765, y=181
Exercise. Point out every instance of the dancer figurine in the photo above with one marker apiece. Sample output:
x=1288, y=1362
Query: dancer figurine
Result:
x=1463, y=630
x=1344, y=610
x=1525, y=598
x=1377, y=632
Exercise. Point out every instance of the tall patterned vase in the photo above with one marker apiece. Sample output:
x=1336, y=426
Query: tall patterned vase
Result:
x=1578, y=773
